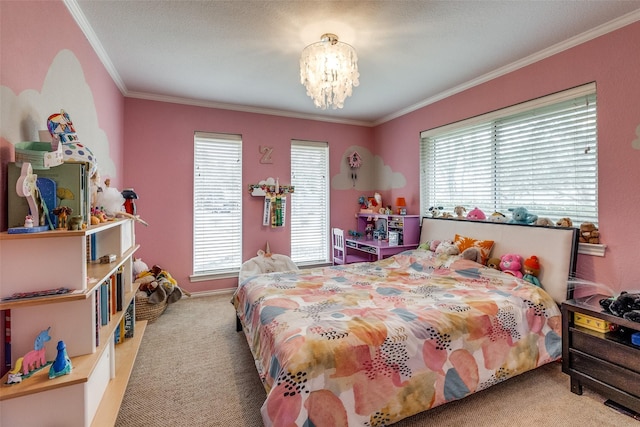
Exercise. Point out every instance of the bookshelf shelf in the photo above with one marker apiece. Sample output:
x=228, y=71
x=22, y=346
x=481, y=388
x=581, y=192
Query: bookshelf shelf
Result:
x=64, y=259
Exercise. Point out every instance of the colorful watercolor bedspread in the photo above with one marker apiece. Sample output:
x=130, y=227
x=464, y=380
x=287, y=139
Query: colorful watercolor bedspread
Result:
x=370, y=344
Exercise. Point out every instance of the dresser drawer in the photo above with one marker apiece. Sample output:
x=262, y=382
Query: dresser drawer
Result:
x=607, y=350
x=616, y=376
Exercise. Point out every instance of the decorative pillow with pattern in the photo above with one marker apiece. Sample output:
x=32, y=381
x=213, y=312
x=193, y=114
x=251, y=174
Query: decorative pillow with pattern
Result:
x=484, y=246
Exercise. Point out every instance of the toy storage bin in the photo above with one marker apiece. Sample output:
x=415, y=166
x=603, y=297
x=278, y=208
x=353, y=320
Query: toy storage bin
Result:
x=147, y=311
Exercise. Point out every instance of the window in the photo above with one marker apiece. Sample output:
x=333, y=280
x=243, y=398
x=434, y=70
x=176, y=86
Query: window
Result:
x=217, y=204
x=541, y=155
x=310, y=202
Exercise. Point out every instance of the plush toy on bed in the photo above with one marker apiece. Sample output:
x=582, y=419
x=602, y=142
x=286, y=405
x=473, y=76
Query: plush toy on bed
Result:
x=429, y=245
x=532, y=270
x=494, y=263
x=511, y=264
x=472, y=254
x=447, y=247
x=521, y=215
x=626, y=305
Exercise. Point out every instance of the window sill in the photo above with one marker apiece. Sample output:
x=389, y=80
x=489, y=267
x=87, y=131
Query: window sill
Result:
x=213, y=276
x=591, y=249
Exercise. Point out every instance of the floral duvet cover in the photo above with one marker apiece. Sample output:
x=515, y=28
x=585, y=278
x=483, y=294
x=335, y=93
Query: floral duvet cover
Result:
x=369, y=344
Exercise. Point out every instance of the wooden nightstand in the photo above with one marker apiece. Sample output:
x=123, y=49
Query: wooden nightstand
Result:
x=606, y=362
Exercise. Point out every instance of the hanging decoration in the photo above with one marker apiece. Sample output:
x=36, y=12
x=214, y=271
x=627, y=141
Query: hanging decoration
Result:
x=355, y=161
x=275, y=201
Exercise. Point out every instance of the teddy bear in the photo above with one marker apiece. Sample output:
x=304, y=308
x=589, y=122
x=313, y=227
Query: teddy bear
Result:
x=589, y=233
x=626, y=305
x=564, y=222
x=476, y=214
x=521, y=215
x=494, y=263
x=531, y=267
x=511, y=264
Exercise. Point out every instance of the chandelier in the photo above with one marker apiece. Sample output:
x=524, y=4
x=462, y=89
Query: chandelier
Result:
x=329, y=71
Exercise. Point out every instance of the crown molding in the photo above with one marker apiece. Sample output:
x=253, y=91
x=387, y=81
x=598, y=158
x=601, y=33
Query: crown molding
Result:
x=81, y=20
x=603, y=29
x=244, y=108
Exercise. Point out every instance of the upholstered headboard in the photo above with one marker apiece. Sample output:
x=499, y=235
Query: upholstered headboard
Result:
x=556, y=247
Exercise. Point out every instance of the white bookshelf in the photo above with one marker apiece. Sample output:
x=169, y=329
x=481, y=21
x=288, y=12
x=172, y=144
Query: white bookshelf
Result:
x=35, y=262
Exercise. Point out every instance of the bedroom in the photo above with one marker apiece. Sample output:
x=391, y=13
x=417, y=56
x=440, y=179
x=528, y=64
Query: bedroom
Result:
x=130, y=126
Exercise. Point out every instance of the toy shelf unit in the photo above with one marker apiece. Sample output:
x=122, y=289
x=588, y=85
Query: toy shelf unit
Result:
x=379, y=227
x=89, y=318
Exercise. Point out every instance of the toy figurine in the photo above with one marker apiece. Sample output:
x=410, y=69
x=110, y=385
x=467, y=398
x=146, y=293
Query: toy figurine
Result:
x=28, y=221
x=62, y=364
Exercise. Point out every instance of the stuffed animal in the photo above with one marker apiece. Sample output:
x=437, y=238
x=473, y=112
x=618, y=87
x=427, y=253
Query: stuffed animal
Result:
x=589, y=233
x=497, y=217
x=435, y=211
x=429, y=245
x=494, y=263
x=564, y=222
x=476, y=214
x=532, y=270
x=511, y=264
x=459, y=211
x=472, y=254
x=447, y=247
x=521, y=215
x=544, y=222
x=626, y=305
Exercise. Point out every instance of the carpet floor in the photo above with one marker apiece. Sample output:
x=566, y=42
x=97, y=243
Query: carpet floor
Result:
x=193, y=369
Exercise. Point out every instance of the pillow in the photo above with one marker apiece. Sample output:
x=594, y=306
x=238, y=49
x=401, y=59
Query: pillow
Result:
x=484, y=246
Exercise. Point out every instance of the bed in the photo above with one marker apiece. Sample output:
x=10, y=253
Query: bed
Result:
x=369, y=344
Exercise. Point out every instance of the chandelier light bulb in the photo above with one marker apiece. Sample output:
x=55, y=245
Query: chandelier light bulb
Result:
x=329, y=71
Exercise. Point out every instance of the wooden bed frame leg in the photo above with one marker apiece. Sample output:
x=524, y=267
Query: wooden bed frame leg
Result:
x=238, y=324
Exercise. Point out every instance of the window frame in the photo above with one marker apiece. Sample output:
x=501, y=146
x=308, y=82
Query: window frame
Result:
x=493, y=119
x=304, y=204
x=209, y=228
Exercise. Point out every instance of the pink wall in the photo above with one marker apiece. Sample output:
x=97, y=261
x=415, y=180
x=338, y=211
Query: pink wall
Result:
x=158, y=164
x=612, y=61
x=32, y=34
x=158, y=137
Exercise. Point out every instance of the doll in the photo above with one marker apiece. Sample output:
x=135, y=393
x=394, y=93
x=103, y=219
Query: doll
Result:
x=531, y=270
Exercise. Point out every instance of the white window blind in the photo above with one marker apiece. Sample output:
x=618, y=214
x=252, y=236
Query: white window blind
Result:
x=217, y=203
x=310, y=202
x=541, y=155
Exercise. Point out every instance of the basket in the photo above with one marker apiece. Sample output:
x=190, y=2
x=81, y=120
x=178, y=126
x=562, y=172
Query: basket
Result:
x=39, y=154
x=147, y=311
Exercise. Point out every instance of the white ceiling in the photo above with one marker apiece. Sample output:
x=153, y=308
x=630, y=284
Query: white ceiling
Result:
x=244, y=55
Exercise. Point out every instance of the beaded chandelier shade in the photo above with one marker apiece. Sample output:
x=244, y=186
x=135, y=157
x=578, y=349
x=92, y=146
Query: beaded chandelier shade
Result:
x=329, y=71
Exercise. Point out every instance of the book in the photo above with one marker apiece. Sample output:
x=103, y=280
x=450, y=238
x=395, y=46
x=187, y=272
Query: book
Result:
x=98, y=315
x=72, y=190
x=130, y=320
x=104, y=303
x=119, y=289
